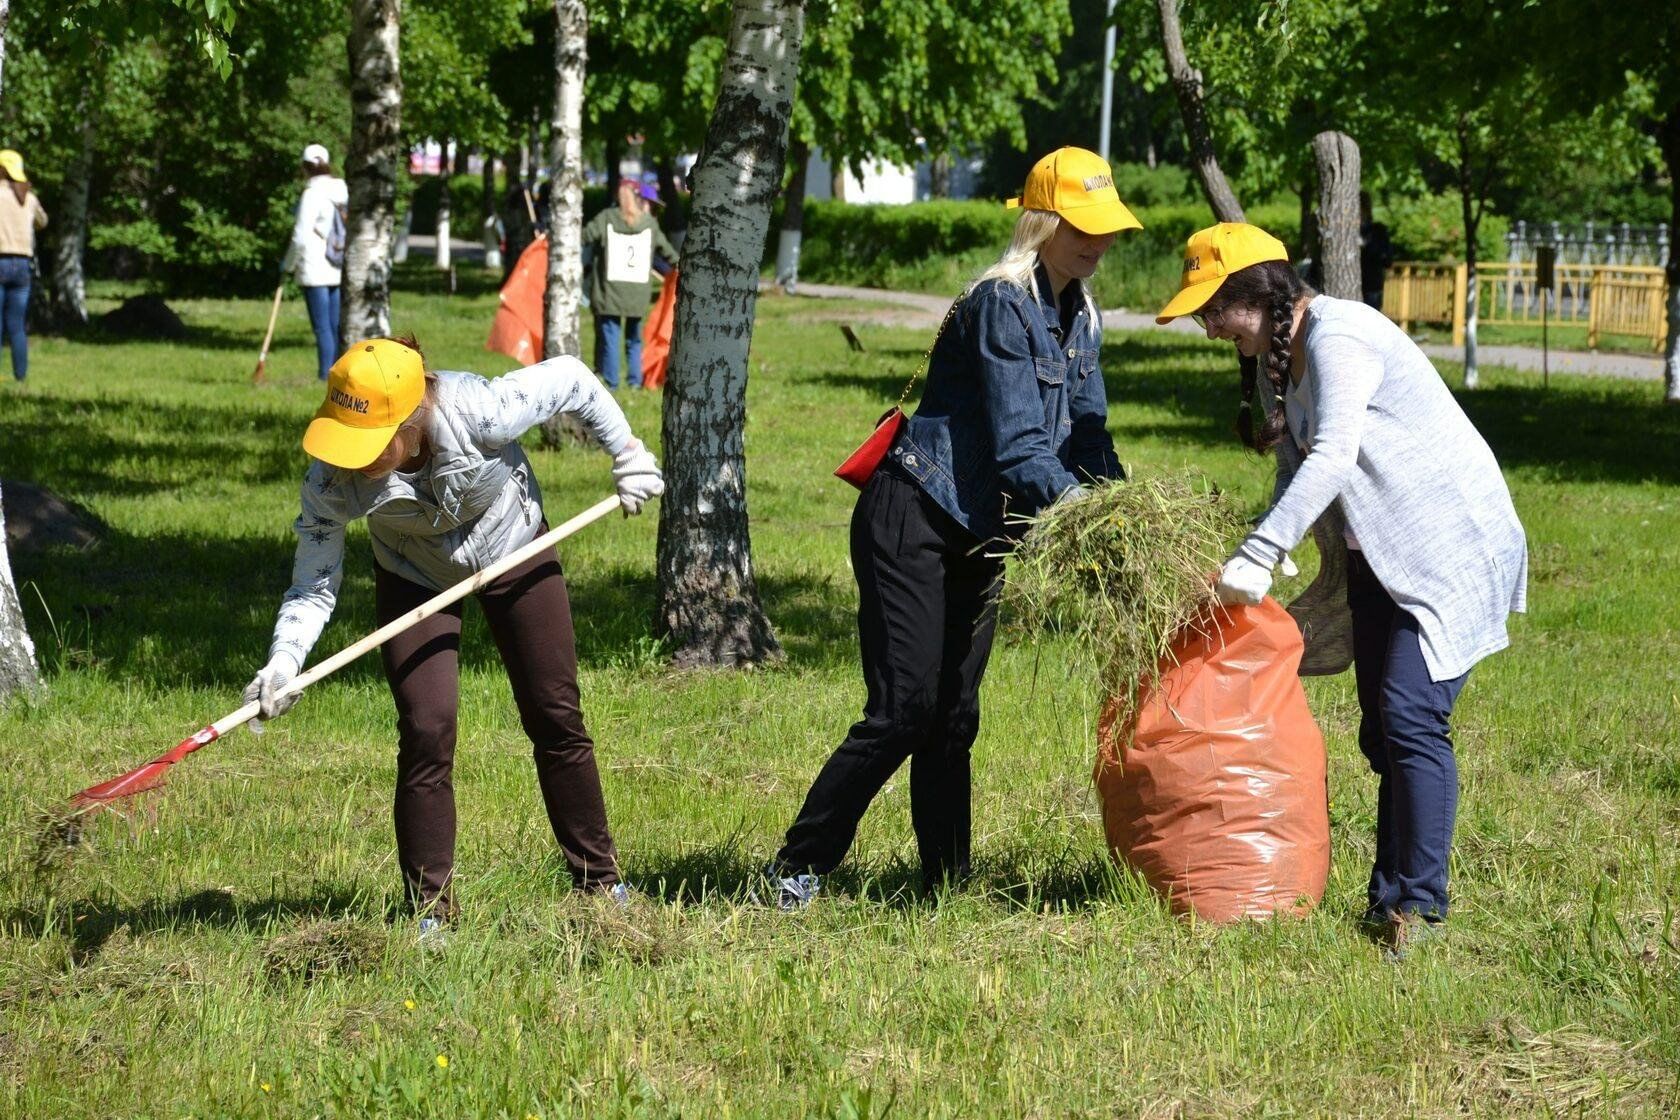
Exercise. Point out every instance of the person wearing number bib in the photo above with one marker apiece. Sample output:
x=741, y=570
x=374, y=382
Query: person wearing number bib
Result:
x=1014, y=418
x=1437, y=558
x=433, y=461
x=623, y=247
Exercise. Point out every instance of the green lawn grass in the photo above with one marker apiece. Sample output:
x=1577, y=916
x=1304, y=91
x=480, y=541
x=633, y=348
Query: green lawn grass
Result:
x=226, y=950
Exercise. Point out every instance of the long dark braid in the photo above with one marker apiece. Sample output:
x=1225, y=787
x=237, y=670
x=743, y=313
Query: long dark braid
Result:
x=1275, y=286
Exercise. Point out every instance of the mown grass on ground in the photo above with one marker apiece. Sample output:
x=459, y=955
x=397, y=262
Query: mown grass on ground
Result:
x=225, y=949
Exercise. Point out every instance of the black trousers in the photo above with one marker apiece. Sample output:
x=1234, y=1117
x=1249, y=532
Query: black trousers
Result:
x=927, y=610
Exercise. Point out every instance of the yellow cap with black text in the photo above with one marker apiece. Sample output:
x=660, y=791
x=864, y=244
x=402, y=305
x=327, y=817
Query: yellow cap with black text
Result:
x=1211, y=255
x=372, y=388
x=1078, y=185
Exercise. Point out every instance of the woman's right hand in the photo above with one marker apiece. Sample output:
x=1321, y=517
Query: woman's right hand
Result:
x=265, y=688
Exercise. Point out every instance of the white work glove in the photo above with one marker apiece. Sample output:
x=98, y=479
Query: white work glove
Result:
x=637, y=477
x=1242, y=582
x=266, y=685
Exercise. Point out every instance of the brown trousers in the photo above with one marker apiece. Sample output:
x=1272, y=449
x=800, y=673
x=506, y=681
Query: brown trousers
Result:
x=530, y=617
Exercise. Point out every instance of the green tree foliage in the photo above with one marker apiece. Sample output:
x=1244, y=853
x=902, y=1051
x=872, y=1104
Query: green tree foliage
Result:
x=904, y=79
x=193, y=175
x=448, y=49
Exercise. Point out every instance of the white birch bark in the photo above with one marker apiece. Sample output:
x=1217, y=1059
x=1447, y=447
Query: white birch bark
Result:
x=708, y=601
x=67, y=289
x=562, y=297
x=371, y=166
x=17, y=652
x=445, y=204
x=561, y=300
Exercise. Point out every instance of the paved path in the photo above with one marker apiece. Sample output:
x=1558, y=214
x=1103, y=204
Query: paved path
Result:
x=928, y=310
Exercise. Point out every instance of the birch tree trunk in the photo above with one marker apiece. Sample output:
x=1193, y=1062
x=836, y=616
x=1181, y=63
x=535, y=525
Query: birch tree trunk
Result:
x=1472, y=220
x=64, y=292
x=371, y=166
x=1338, y=213
x=17, y=652
x=793, y=218
x=1669, y=136
x=562, y=297
x=561, y=333
x=708, y=601
x=445, y=219
x=1187, y=85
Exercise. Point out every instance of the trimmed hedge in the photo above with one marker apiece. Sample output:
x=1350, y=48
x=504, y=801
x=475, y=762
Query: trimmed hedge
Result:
x=939, y=246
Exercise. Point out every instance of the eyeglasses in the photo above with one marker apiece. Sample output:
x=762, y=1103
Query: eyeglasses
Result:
x=1206, y=315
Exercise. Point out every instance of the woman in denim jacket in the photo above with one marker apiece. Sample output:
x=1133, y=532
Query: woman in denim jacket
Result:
x=1014, y=418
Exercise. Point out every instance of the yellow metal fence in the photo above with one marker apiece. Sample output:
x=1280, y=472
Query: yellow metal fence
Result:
x=1606, y=299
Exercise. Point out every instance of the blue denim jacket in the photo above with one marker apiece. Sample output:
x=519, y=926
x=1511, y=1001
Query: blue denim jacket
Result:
x=1014, y=411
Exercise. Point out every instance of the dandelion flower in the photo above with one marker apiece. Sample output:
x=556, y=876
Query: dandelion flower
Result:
x=267, y=1088
x=443, y=1061
x=409, y=1004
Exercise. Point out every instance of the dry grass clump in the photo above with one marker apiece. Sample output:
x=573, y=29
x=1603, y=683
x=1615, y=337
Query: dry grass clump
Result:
x=324, y=948
x=1559, y=1072
x=1123, y=571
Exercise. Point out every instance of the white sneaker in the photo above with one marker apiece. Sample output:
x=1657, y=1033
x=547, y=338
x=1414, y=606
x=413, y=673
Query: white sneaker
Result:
x=796, y=892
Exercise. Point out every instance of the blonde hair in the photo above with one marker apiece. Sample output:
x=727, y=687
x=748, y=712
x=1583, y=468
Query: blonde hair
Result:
x=1032, y=229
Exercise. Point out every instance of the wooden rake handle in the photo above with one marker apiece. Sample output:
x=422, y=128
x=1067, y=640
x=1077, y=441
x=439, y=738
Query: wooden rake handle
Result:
x=424, y=611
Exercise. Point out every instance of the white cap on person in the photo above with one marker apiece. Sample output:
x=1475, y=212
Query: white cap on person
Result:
x=315, y=153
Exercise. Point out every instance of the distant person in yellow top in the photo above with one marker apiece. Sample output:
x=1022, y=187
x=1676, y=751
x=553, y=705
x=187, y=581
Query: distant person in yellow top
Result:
x=20, y=216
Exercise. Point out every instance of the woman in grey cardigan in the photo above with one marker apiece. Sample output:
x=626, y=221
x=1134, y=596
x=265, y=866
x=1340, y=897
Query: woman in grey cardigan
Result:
x=1437, y=557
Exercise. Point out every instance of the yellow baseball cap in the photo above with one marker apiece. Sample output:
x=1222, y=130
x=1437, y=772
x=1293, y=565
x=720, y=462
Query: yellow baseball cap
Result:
x=12, y=164
x=1214, y=253
x=1078, y=185
x=372, y=388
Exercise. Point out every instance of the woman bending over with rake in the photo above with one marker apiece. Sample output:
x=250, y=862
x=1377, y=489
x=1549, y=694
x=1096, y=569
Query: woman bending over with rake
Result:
x=1013, y=419
x=432, y=460
x=1436, y=555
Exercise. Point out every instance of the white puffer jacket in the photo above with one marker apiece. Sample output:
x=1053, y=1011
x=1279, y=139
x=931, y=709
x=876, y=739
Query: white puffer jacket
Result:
x=474, y=502
x=307, y=253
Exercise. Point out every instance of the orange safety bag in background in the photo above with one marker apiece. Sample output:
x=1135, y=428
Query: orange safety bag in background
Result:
x=656, y=334
x=1216, y=793
x=518, y=327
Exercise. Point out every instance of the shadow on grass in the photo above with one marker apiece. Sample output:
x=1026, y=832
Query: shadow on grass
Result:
x=83, y=447
x=1163, y=386
x=92, y=922
x=169, y=610
x=1013, y=879
x=198, y=336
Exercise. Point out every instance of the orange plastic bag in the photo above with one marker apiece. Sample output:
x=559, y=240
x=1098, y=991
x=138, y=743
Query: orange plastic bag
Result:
x=656, y=334
x=518, y=329
x=1216, y=793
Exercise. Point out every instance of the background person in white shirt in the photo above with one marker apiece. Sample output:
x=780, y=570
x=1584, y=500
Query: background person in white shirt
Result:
x=1437, y=556
x=315, y=257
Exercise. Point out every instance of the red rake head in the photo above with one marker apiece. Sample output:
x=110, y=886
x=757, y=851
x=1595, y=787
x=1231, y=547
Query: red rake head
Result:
x=142, y=778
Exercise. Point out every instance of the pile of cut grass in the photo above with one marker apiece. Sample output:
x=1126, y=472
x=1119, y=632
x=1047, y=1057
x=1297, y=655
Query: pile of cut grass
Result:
x=1124, y=572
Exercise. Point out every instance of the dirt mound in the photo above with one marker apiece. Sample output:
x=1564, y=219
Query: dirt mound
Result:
x=143, y=317
x=37, y=519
